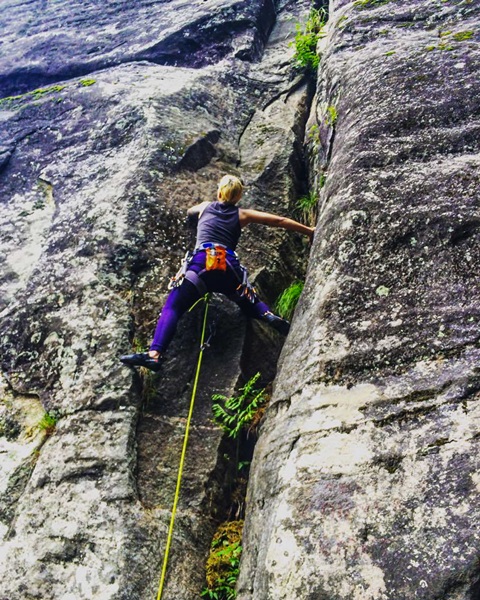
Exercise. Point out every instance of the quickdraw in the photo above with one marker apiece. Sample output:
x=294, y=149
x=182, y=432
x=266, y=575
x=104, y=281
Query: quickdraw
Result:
x=177, y=279
x=246, y=289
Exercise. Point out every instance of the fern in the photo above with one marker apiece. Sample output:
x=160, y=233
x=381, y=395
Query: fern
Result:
x=48, y=423
x=235, y=412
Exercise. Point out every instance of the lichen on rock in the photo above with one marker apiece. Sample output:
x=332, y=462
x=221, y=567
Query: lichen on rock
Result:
x=364, y=480
x=114, y=121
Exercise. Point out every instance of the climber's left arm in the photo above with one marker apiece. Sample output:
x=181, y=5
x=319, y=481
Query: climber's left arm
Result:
x=256, y=216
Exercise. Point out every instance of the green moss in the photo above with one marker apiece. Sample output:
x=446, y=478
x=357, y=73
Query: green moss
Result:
x=224, y=561
x=10, y=99
x=442, y=46
x=331, y=116
x=370, y=3
x=36, y=94
x=87, y=82
x=382, y=290
x=461, y=36
x=50, y=90
x=313, y=132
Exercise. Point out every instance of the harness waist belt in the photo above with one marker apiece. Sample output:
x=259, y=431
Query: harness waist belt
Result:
x=208, y=245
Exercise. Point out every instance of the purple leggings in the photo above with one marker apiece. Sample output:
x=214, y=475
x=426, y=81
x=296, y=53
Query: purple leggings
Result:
x=183, y=297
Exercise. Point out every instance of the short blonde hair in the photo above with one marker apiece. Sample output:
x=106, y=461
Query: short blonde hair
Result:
x=230, y=189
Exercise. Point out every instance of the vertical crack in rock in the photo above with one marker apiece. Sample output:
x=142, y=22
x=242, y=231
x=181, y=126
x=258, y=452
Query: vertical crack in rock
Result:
x=20, y=442
x=255, y=349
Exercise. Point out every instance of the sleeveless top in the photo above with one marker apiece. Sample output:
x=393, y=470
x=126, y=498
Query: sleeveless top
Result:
x=219, y=224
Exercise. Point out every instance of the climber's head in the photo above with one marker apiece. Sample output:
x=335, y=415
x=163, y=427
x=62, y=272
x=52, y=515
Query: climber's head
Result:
x=230, y=189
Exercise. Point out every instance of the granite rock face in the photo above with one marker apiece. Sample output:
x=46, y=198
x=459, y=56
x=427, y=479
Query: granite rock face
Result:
x=45, y=42
x=143, y=106
x=365, y=478
x=115, y=117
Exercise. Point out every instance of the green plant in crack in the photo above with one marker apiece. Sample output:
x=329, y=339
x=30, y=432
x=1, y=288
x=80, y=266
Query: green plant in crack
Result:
x=223, y=563
x=234, y=413
x=288, y=299
x=42, y=91
x=48, y=423
x=369, y=3
x=314, y=134
x=307, y=37
x=331, y=115
x=461, y=36
x=306, y=208
x=35, y=94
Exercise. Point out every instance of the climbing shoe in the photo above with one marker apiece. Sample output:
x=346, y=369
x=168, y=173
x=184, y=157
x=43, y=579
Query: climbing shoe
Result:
x=281, y=325
x=141, y=360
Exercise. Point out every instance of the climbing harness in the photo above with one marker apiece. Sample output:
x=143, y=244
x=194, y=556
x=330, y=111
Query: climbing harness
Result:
x=203, y=344
x=216, y=259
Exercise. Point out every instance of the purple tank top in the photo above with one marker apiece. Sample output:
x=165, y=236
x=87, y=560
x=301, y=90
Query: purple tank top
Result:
x=219, y=224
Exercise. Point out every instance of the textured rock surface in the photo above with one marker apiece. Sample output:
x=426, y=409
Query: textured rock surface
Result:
x=48, y=41
x=365, y=479
x=96, y=170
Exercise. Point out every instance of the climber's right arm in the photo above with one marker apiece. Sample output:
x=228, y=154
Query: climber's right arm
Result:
x=197, y=209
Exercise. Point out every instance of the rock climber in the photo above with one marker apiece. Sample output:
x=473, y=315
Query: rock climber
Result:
x=214, y=267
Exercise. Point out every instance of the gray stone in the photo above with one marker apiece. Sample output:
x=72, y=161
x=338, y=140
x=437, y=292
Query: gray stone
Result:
x=97, y=168
x=365, y=477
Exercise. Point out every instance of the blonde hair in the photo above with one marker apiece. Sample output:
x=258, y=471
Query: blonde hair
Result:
x=230, y=189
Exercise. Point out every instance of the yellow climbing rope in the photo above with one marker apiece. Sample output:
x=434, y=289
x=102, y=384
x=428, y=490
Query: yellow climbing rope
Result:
x=184, y=449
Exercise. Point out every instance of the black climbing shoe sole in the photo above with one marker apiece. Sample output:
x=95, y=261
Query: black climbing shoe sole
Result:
x=277, y=323
x=141, y=360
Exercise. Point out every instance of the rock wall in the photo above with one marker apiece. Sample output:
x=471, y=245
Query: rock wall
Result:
x=115, y=117
x=365, y=478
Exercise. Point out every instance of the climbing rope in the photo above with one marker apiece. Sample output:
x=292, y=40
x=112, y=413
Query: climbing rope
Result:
x=203, y=345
